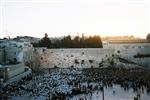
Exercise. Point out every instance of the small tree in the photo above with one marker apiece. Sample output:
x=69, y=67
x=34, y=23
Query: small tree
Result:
x=45, y=41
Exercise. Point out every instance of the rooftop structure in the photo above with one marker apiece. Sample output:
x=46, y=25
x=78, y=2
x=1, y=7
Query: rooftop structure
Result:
x=127, y=41
x=132, y=46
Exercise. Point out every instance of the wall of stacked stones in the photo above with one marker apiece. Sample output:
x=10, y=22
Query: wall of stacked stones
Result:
x=133, y=50
x=18, y=77
x=140, y=61
x=15, y=69
x=81, y=58
x=78, y=58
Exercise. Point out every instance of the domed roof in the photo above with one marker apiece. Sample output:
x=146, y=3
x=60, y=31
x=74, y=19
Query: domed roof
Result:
x=148, y=36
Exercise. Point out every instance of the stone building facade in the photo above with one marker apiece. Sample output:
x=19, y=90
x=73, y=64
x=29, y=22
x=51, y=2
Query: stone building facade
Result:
x=130, y=48
x=11, y=60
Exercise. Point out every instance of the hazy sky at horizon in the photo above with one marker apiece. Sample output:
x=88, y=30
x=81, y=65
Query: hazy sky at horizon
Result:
x=63, y=17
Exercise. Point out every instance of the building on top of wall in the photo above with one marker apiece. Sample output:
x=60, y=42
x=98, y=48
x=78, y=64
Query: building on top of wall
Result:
x=128, y=41
x=119, y=38
x=128, y=47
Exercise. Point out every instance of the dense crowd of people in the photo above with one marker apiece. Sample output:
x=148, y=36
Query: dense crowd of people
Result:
x=63, y=83
x=128, y=78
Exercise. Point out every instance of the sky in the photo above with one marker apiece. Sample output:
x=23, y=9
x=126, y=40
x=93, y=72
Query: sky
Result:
x=63, y=17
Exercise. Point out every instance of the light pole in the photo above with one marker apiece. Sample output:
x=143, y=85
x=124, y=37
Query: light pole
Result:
x=103, y=82
x=102, y=85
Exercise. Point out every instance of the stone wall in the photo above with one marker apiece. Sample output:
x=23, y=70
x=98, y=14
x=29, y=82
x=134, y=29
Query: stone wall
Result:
x=129, y=49
x=31, y=58
x=19, y=76
x=80, y=58
x=13, y=70
x=66, y=57
x=145, y=62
